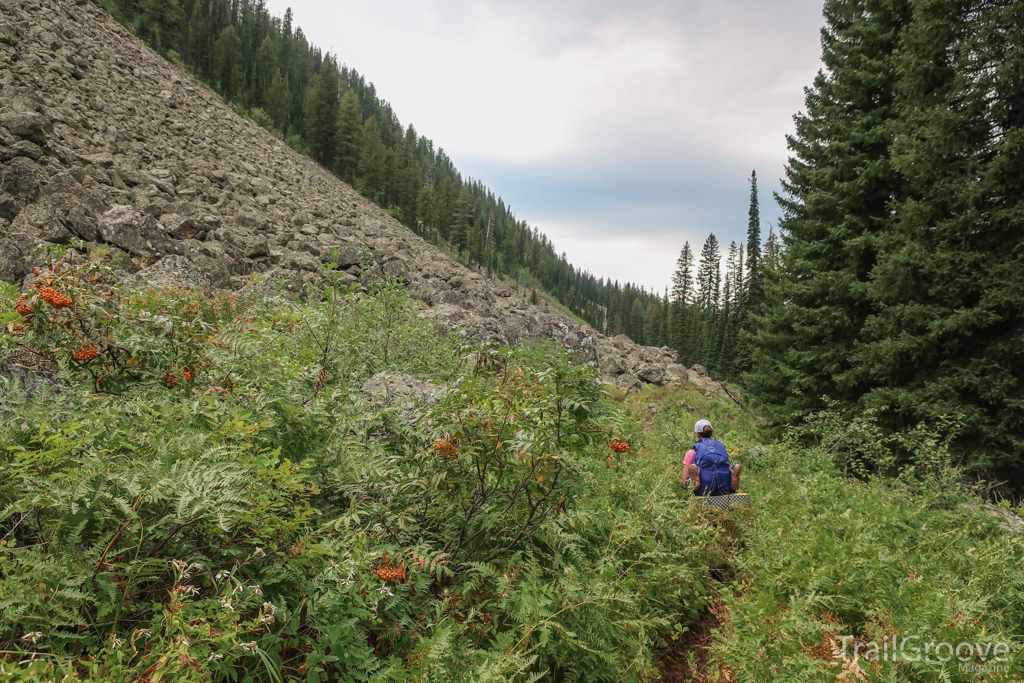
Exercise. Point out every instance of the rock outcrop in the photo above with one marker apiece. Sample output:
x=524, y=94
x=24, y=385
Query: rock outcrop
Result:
x=102, y=140
x=397, y=388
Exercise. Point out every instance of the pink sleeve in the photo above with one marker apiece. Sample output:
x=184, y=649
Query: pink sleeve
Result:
x=688, y=458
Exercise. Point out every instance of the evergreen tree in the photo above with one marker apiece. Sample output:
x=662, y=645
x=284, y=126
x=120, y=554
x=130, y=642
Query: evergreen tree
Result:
x=709, y=275
x=320, y=112
x=227, y=63
x=636, y=322
x=682, y=298
x=408, y=178
x=709, y=288
x=263, y=73
x=349, y=137
x=372, y=161
x=161, y=19
x=754, y=285
x=771, y=252
x=838, y=191
x=945, y=336
x=425, y=215
x=277, y=102
x=731, y=313
x=461, y=217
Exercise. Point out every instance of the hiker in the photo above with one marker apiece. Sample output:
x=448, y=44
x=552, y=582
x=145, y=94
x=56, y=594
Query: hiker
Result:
x=707, y=464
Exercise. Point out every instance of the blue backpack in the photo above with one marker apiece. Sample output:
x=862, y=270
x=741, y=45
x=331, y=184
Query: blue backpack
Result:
x=712, y=459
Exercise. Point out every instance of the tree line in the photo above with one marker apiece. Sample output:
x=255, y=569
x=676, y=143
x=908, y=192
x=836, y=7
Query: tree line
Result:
x=267, y=69
x=901, y=288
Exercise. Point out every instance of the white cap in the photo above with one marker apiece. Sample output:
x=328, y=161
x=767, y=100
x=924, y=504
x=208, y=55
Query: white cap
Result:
x=701, y=426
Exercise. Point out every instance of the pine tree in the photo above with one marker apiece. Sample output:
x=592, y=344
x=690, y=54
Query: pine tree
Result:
x=373, y=168
x=636, y=322
x=263, y=72
x=161, y=19
x=461, y=217
x=731, y=313
x=838, y=191
x=320, y=112
x=227, y=63
x=425, y=216
x=771, y=253
x=946, y=333
x=754, y=286
x=709, y=275
x=277, y=102
x=349, y=136
x=709, y=289
x=682, y=298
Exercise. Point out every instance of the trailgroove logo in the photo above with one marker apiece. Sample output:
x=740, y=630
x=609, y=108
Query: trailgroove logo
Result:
x=975, y=657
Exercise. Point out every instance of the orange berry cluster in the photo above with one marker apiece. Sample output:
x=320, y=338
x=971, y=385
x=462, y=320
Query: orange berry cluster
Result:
x=446, y=448
x=171, y=379
x=86, y=353
x=22, y=307
x=54, y=298
x=619, y=446
x=386, y=572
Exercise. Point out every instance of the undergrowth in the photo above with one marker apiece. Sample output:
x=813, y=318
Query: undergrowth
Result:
x=195, y=488
x=199, y=490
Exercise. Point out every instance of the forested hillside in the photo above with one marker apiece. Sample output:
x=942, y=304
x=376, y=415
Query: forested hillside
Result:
x=901, y=289
x=895, y=284
x=268, y=69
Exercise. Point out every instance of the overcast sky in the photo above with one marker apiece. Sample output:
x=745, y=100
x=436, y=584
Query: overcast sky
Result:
x=619, y=129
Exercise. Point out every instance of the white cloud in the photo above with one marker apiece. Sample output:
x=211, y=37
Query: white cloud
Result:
x=609, y=125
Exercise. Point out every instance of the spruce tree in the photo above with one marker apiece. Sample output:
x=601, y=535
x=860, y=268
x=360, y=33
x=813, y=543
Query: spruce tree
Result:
x=682, y=299
x=277, y=101
x=349, y=136
x=709, y=275
x=320, y=112
x=754, y=287
x=263, y=71
x=946, y=334
x=838, y=191
x=227, y=63
x=161, y=19
x=373, y=168
x=709, y=289
x=636, y=322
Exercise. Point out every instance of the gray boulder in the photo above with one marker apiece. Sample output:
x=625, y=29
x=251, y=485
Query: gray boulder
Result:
x=397, y=388
x=135, y=232
x=169, y=272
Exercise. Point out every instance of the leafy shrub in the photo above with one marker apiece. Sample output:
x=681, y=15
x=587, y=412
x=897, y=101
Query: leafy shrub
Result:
x=258, y=518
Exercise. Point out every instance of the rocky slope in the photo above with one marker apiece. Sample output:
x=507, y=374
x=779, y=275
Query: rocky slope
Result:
x=103, y=140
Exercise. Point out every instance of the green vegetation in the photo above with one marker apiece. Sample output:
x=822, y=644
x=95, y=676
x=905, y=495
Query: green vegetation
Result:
x=900, y=287
x=195, y=488
x=896, y=286
x=200, y=491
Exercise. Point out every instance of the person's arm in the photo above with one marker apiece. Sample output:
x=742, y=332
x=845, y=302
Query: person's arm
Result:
x=687, y=461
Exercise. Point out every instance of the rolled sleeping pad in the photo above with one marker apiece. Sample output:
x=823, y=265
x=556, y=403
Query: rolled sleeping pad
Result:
x=726, y=501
